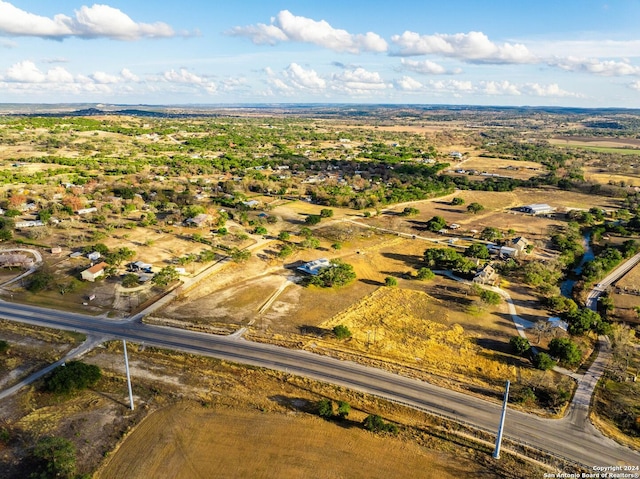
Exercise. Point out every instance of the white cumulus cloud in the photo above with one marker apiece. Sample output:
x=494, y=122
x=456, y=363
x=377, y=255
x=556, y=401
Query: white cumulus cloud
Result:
x=358, y=82
x=470, y=47
x=288, y=27
x=550, y=90
x=500, y=88
x=408, y=84
x=187, y=78
x=595, y=66
x=635, y=85
x=88, y=22
x=304, y=78
x=425, y=67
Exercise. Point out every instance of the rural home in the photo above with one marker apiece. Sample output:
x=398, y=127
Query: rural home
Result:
x=93, y=273
x=93, y=256
x=508, y=252
x=15, y=260
x=520, y=243
x=486, y=275
x=314, y=267
x=537, y=209
x=28, y=224
x=85, y=211
x=199, y=220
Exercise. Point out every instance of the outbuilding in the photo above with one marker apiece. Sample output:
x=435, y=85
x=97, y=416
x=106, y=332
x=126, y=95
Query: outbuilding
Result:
x=93, y=273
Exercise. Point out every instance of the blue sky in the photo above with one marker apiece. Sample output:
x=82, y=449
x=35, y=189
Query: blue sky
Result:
x=562, y=52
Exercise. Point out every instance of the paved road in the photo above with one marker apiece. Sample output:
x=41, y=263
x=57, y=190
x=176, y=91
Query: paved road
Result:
x=560, y=436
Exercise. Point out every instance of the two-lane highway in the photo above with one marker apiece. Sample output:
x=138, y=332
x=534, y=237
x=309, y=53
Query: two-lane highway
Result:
x=551, y=435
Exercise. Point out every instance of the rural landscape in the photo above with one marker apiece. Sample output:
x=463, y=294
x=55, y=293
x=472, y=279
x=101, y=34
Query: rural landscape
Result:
x=248, y=254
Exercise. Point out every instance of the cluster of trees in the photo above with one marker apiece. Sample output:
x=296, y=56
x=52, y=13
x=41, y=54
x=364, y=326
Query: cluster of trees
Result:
x=337, y=274
x=72, y=376
x=448, y=258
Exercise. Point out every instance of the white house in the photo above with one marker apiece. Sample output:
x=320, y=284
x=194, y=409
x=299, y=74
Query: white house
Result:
x=314, y=267
x=85, y=211
x=93, y=273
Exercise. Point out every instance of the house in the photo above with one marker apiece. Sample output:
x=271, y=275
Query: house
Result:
x=520, y=243
x=314, y=267
x=93, y=256
x=508, y=252
x=538, y=209
x=486, y=275
x=93, y=273
x=251, y=203
x=199, y=220
x=85, y=211
x=28, y=224
x=56, y=250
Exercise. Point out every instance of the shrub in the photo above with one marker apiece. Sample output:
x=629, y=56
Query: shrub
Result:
x=565, y=350
x=390, y=281
x=341, y=331
x=74, y=376
x=54, y=457
x=425, y=274
x=374, y=423
x=326, y=213
x=313, y=219
x=543, y=361
x=4, y=346
x=519, y=345
x=324, y=408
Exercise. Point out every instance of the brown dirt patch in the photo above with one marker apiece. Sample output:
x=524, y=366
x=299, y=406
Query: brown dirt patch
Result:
x=185, y=441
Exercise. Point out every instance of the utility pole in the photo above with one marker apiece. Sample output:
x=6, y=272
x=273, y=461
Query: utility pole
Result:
x=126, y=364
x=496, y=452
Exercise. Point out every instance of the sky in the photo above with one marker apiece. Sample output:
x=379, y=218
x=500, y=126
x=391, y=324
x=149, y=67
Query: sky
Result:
x=579, y=53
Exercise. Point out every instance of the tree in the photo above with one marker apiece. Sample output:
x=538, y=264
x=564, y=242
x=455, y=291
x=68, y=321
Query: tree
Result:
x=305, y=232
x=457, y=201
x=73, y=376
x=490, y=234
x=390, y=281
x=54, y=457
x=344, y=408
x=336, y=246
x=326, y=213
x=436, y=223
x=312, y=220
x=4, y=346
x=374, y=423
x=260, y=230
x=324, y=407
x=490, y=297
x=477, y=250
x=240, y=255
x=341, y=331
x=543, y=362
x=337, y=274
x=40, y=281
x=130, y=280
x=581, y=320
x=519, y=345
x=285, y=251
x=475, y=208
x=310, y=243
x=165, y=276
x=409, y=211
x=425, y=274
x=565, y=350
x=284, y=236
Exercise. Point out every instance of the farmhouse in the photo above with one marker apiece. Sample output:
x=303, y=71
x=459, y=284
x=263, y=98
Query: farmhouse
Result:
x=537, y=209
x=508, y=252
x=486, y=275
x=314, y=267
x=28, y=224
x=85, y=211
x=15, y=260
x=93, y=273
x=520, y=243
x=199, y=220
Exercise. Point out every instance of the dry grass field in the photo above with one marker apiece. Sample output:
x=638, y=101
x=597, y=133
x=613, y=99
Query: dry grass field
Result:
x=625, y=303
x=186, y=441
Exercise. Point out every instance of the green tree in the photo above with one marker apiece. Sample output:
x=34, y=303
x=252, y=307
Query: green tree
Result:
x=475, y=208
x=284, y=236
x=490, y=297
x=165, y=276
x=130, y=280
x=324, y=407
x=285, y=251
x=4, y=346
x=457, y=201
x=54, y=457
x=543, y=362
x=374, y=423
x=425, y=274
x=490, y=234
x=581, y=320
x=336, y=246
x=565, y=350
x=409, y=211
x=40, y=281
x=344, y=408
x=305, y=232
x=326, y=213
x=240, y=255
x=260, y=230
x=477, y=250
x=519, y=345
x=337, y=274
x=312, y=220
x=73, y=376
x=436, y=223
x=310, y=243
x=341, y=331
x=390, y=281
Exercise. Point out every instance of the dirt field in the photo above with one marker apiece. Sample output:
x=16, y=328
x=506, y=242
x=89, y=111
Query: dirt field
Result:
x=186, y=441
x=626, y=302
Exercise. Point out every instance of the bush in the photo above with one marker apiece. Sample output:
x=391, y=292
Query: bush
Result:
x=130, y=280
x=519, y=345
x=4, y=346
x=425, y=274
x=54, y=457
x=543, y=361
x=313, y=219
x=457, y=201
x=490, y=297
x=341, y=331
x=326, y=213
x=565, y=350
x=74, y=376
x=374, y=423
x=324, y=408
x=390, y=281
x=260, y=230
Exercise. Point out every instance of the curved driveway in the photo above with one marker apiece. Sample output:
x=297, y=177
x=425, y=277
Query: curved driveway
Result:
x=562, y=437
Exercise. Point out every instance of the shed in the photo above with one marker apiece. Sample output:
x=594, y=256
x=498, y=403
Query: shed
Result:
x=537, y=209
x=93, y=273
